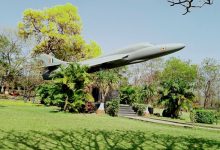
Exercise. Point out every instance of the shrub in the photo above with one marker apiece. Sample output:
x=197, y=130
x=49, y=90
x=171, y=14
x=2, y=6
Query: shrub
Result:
x=3, y=96
x=217, y=117
x=175, y=95
x=112, y=107
x=128, y=95
x=89, y=107
x=203, y=116
x=157, y=114
x=166, y=113
x=135, y=107
x=139, y=108
x=67, y=89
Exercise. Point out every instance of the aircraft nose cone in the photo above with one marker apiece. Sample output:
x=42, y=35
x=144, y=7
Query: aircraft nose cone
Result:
x=175, y=47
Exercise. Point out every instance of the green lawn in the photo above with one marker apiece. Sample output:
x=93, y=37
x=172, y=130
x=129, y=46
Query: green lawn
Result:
x=29, y=126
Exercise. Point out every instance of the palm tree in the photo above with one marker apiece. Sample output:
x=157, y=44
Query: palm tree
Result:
x=72, y=80
x=106, y=81
x=175, y=94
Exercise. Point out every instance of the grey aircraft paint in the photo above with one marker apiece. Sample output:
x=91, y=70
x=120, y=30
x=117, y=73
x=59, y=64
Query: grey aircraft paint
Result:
x=121, y=57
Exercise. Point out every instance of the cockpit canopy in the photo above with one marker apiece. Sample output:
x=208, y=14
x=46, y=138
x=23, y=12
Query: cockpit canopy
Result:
x=131, y=48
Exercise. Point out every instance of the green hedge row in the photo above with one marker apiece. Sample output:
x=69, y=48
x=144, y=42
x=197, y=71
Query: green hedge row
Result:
x=203, y=116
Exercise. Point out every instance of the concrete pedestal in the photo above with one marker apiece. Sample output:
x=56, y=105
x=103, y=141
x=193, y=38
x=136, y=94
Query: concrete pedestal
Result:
x=146, y=112
x=101, y=109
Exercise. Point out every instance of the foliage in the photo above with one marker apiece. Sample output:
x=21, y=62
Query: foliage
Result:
x=139, y=108
x=47, y=93
x=175, y=94
x=57, y=30
x=147, y=92
x=217, y=116
x=204, y=116
x=90, y=107
x=176, y=69
x=208, y=80
x=146, y=72
x=135, y=106
x=128, y=95
x=10, y=59
x=112, y=107
x=31, y=76
x=166, y=113
x=178, y=80
x=67, y=89
x=137, y=94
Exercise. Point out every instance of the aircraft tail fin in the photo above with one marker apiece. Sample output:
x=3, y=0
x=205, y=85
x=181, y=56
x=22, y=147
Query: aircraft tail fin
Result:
x=50, y=60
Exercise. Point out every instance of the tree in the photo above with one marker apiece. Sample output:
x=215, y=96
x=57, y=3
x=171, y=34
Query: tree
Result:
x=146, y=76
x=178, y=80
x=146, y=72
x=176, y=69
x=128, y=94
x=30, y=77
x=58, y=31
x=209, y=75
x=175, y=94
x=147, y=93
x=106, y=81
x=188, y=4
x=10, y=59
x=67, y=89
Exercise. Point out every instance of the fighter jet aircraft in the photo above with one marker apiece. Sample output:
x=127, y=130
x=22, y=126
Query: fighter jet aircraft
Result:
x=121, y=57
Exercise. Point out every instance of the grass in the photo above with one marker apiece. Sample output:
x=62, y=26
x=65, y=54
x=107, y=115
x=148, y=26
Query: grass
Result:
x=29, y=126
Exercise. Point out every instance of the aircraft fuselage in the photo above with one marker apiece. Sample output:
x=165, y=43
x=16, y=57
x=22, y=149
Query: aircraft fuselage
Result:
x=121, y=57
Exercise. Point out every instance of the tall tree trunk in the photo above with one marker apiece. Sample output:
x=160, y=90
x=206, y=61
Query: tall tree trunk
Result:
x=207, y=94
x=2, y=85
x=7, y=89
x=177, y=112
x=66, y=103
x=105, y=94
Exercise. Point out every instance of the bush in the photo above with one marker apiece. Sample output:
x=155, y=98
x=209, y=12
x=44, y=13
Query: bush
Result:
x=217, y=117
x=128, y=95
x=166, y=113
x=67, y=89
x=157, y=114
x=112, y=107
x=139, y=108
x=3, y=96
x=135, y=107
x=203, y=116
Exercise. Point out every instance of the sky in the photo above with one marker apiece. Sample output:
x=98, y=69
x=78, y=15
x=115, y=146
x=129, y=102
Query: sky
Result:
x=115, y=24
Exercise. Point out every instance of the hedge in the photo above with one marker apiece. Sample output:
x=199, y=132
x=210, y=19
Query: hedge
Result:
x=203, y=116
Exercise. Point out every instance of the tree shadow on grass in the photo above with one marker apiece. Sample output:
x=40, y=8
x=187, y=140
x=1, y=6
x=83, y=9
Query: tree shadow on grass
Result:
x=99, y=140
x=55, y=111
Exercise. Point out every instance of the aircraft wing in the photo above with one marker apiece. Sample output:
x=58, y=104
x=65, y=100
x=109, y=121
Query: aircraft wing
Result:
x=104, y=62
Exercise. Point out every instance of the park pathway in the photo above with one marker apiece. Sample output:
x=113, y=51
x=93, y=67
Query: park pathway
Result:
x=127, y=112
x=186, y=125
